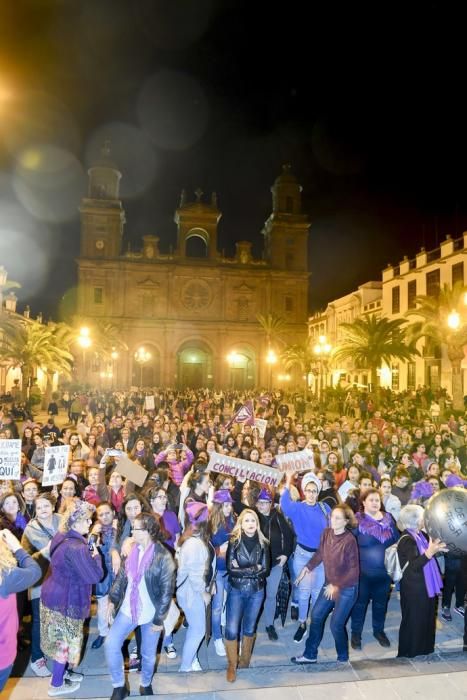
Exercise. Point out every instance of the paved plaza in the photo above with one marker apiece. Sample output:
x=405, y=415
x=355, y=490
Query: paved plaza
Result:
x=372, y=673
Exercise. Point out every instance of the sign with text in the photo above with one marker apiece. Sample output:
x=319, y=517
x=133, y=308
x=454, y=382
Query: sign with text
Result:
x=302, y=461
x=261, y=426
x=55, y=465
x=231, y=466
x=10, y=459
x=149, y=404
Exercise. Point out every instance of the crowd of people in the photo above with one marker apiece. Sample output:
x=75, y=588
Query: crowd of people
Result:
x=223, y=555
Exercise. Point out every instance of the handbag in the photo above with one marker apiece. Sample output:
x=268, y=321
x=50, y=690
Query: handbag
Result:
x=171, y=618
x=392, y=563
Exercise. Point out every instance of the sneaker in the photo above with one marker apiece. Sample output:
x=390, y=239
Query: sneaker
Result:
x=356, y=642
x=219, y=647
x=294, y=612
x=382, y=639
x=146, y=690
x=301, y=660
x=134, y=663
x=272, y=634
x=64, y=689
x=460, y=610
x=446, y=614
x=299, y=634
x=40, y=668
x=170, y=651
x=73, y=676
x=195, y=665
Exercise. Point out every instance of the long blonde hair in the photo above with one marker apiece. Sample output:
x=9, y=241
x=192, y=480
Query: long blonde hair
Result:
x=237, y=531
x=7, y=560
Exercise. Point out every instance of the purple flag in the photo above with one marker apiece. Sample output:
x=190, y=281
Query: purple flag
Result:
x=245, y=414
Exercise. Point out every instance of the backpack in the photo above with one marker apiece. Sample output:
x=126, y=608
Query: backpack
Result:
x=392, y=563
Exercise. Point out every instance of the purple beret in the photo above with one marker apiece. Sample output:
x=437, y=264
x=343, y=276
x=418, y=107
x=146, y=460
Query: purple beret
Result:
x=222, y=496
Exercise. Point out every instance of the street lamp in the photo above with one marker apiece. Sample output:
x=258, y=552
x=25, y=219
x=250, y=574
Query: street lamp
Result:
x=142, y=356
x=322, y=350
x=271, y=359
x=85, y=342
x=454, y=320
x=233, y=358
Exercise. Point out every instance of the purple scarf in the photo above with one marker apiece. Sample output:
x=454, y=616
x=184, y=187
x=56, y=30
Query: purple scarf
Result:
x=433, y=581
x=136, y=573
x=381, y=530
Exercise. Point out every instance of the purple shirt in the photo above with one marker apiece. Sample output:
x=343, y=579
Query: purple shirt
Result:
x=171, y=524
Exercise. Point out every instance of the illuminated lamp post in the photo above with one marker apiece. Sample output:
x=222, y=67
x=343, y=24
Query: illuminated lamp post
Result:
x=142, y=356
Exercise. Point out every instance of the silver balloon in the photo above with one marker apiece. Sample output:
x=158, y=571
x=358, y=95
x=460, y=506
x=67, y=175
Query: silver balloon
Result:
x=446, y=518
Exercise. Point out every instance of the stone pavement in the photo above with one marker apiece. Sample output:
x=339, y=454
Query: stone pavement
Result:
x=372, y=672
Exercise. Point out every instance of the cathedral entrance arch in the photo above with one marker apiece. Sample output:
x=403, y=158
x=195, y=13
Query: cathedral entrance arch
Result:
x=146, y=365
x=194, y=365
x=242, y=367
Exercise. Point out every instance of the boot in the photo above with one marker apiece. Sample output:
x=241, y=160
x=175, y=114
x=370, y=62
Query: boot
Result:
x=232, y=657
x=247, y=648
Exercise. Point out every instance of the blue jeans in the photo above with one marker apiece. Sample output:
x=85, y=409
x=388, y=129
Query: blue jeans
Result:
x=119, y=631
x=377, y=590
x=195, y=612
x=342, y=607
x=272, y=584
x=222, y=584
x=36, y=651
x=243, y=608
x=4, y=676
x=311, y=584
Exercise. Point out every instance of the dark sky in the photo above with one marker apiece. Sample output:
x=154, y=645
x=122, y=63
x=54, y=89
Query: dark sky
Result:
x=365, y=100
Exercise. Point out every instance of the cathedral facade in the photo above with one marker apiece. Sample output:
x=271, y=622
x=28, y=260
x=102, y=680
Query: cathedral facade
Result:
x=189, y=317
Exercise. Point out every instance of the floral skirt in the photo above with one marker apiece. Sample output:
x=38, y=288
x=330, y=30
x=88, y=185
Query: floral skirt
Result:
x=61, y=637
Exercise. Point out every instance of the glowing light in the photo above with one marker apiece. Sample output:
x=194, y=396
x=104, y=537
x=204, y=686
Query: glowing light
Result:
x=114, y=355
x=271, y=357
x=454, y=320
x=84, y=342
x=84, y=332
x=385, y=374
x=233, y=357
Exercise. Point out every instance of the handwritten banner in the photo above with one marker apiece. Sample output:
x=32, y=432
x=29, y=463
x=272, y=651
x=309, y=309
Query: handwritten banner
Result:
x=55, y=465
x=302, y=461
x=231, y=466
x=261, y=426
x=10, y=459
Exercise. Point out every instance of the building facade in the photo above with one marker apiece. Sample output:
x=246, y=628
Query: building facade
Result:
x=193, y=310
x=393, y=297
x=365, y=300
x=424, y=275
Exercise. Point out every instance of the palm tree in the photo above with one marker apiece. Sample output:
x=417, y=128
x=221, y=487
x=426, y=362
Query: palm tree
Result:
x=299, y=356
x=273, y=327
x=105, y=336
x=438, y=321
x=30, y=344
x=370, y=341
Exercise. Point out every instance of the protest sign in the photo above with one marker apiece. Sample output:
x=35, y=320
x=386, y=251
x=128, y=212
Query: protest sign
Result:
x=149, y=404
x=231, y=466
x=130, y=470
x=55, y=465
x=10, y=459
x=261, y=426
x=302, y=461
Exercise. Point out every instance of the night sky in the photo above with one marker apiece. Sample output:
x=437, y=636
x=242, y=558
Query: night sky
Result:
x=365, y=100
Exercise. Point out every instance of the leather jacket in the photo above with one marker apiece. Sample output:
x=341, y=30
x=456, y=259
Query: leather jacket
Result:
x=160, y=582
x=253, y=567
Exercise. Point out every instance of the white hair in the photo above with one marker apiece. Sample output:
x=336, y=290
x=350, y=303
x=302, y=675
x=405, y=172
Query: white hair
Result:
x=410, y=517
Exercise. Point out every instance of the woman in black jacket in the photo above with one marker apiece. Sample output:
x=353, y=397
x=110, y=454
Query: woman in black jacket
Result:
x=140, y=595
x=281, y=538
x=248, y=568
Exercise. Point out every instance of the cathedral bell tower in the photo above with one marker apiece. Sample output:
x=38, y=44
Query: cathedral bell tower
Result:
x=102, y=213
x=286, y=230
x=197, y=227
